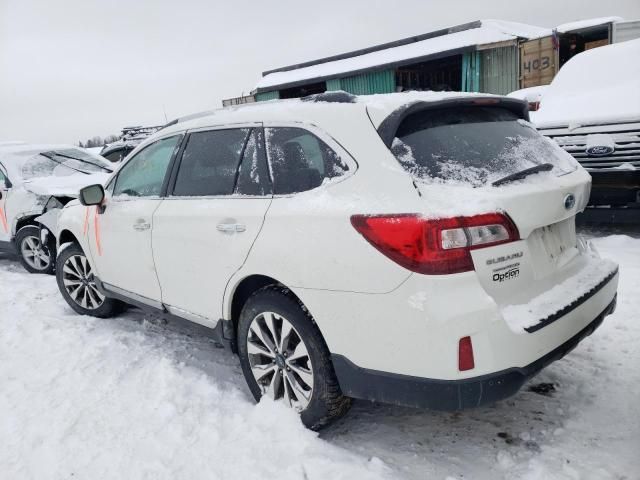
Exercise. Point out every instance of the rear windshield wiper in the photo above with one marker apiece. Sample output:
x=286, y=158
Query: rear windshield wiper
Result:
x=544, y=167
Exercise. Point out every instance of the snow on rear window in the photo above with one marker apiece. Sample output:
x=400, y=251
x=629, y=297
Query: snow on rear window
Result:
x=473, y=145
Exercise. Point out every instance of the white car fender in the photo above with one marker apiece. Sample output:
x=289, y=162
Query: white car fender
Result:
x=50, y=220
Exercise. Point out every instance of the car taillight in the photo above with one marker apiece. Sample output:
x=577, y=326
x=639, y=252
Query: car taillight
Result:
x=434, y=246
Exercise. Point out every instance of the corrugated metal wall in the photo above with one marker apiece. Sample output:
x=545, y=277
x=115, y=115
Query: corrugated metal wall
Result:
x=333, y=84
x=261, y=97
x=471, y=64
x=368, y=83
x=499, y=70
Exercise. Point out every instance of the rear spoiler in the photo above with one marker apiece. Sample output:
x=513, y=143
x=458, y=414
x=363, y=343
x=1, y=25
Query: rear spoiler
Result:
x=389, y=126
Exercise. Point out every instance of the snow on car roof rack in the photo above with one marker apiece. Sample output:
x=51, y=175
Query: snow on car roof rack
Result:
x=129, y=133
x=337, y=96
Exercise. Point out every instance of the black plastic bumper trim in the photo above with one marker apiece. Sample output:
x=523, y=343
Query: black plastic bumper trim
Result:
x=573, y=305
x=449, y=395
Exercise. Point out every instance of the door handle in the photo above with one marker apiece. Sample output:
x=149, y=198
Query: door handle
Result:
x=231, y=227
x=141, y=225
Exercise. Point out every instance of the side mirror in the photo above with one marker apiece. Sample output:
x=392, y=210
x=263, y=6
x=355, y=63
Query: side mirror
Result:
x=91, y=195
x=7, y=183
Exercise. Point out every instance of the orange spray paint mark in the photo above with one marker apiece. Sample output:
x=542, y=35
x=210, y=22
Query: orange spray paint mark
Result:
x=3, y=219
x=96, y=229
x=85, y=229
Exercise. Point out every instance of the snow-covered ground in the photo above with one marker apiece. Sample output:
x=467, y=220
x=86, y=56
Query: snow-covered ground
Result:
x=133, y=398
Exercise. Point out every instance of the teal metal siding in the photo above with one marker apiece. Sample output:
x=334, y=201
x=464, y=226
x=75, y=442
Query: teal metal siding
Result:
x=471, y=65
x=333, y=84
x=366, y=84
x=261, y=97
x=499, y=70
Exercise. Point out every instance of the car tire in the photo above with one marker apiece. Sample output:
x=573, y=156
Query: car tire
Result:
x=272, y=326
x=35, y=257
x=77, y=285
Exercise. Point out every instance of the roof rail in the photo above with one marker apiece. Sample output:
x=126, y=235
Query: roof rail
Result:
x=336, y=96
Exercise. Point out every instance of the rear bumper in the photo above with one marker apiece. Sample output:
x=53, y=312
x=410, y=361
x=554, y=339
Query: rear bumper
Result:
x=449, y=395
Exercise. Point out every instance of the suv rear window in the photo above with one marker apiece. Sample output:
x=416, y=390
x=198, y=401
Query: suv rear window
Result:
x=474, y=145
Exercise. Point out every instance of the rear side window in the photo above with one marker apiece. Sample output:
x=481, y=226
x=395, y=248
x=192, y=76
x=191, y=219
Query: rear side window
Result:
x=299, y=160
x=210, y=162
x=474, y=145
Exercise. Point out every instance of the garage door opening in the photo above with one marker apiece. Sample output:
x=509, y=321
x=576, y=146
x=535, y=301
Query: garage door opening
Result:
x=303, y=90
x=577, y=41
x=444, y=74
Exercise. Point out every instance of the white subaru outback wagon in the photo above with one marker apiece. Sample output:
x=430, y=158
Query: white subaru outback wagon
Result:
x=413, y=248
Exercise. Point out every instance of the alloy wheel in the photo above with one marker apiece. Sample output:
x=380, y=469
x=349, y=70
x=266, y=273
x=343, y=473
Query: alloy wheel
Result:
x=279, y=360
x=36, y=256
x=80, y=284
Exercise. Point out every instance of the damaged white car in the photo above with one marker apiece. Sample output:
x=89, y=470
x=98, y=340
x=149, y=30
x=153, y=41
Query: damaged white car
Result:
x=36, y=181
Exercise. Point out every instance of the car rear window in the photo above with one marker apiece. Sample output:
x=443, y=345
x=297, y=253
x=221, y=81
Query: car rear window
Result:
x=474, y=145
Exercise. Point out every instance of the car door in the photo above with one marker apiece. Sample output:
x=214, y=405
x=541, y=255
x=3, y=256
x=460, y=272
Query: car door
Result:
x=5, y=230
x=205, y=228
x=121, y=230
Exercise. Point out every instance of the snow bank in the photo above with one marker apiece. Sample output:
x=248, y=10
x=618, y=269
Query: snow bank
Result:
x=93, y=399
x=595, y=87
x=519, y=317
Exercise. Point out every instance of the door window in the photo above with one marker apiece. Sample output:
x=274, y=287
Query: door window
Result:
x=210, y=162
x=144, y=174
x=299, y=160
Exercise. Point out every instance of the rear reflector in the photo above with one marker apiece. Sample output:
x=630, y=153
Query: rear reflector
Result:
x=465, y=354
x=434, y=247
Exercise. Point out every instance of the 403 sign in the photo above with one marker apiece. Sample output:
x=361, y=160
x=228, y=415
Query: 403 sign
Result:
x=536, y=64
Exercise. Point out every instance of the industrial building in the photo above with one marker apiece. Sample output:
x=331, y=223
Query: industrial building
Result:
x=491, y=56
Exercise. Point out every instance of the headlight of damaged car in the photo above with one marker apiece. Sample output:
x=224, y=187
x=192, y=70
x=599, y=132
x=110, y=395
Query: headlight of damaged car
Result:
x=52, y=203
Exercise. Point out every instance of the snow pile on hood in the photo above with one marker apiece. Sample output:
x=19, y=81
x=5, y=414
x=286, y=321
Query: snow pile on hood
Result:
x=531, y=94
x=598, y=86
x=67, y=186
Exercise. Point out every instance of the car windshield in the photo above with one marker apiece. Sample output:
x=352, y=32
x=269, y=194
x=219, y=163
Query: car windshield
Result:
x=473, y=145
x=61, y=163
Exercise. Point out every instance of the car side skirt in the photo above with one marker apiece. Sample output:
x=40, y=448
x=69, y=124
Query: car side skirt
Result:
x=7, y=247
x=223, y=333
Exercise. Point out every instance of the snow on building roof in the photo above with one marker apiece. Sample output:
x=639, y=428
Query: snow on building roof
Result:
x=591, y=22
x=490, y=31
x=413, y=49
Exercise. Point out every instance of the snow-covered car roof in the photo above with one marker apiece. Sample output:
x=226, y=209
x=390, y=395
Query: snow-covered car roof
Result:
x=295, y=110
x=17, y=159
x=595, y=87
